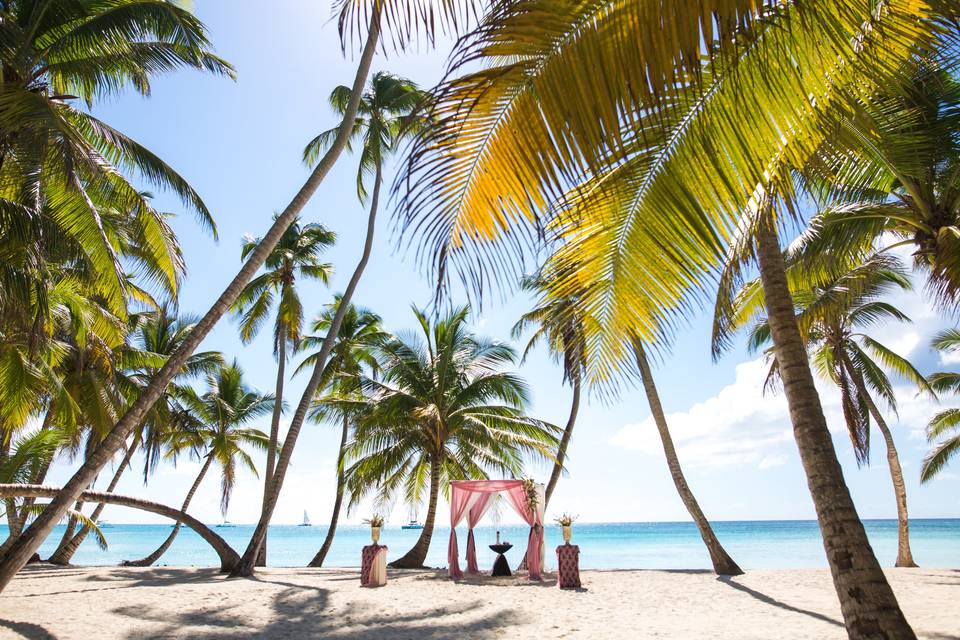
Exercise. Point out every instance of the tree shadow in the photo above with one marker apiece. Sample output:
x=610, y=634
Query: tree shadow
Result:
x=27, y=630
x=764, y=598
x=305, y=611
x=483, y=579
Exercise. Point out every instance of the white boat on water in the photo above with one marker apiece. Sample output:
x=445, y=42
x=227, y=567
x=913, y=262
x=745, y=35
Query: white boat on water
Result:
x=413, y=524
x=226, y=524
x=306, y=520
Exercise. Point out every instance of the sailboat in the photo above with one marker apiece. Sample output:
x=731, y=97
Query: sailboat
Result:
x=306, y=520
x=226, y=524
x=413, y=524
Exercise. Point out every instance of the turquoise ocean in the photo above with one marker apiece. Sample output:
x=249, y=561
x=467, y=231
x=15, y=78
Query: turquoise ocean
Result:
x=640, y=545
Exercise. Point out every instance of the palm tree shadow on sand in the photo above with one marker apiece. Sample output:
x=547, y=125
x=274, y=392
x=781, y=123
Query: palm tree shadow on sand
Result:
x=306, y=611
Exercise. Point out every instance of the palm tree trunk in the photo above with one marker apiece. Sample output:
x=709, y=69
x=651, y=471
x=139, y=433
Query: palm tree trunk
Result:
x=723, y=564
x=245, y=567
x=69, y=532
x=414, y=558
x=69, y=546
x=228, y=557
x=274, y=429
x=33, y=537
x=162, y=549
x=564, y=441
x=335, y=516
x=870, y=609
x=904, y=554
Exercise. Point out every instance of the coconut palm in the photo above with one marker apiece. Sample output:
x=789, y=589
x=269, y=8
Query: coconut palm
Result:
x=387, y=114
x=444, y=410
x=353, y=355
x=943, y=430
x=295, y=257
x=214, y=431
x=834, y=317
x=656, y=166
x=888, y=178
x=556, y=322
x=156, y=333
x=352, y=16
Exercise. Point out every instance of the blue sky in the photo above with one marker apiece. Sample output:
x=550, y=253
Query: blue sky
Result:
x=239, y=144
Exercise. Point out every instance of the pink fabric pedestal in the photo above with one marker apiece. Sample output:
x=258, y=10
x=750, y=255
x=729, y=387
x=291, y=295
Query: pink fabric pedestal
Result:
x=369, y=559
x=568, y=566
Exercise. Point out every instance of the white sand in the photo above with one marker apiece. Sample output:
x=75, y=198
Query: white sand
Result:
x=108, y=602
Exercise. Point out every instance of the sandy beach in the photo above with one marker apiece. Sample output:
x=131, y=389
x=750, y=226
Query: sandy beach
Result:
x=109, y=602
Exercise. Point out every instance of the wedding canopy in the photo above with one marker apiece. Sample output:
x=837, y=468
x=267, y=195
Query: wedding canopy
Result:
x=472, y=498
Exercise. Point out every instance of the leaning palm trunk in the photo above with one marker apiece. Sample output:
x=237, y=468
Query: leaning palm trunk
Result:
x=414, y=558
x=64, y=553
x=228, y=557
x=162, y=549
x=723, y=564
x=870, y=609
x=245, y=567
x=33, y=537
x=274, y=429
x=564, y=442
x=337, y=503
x=904, y=554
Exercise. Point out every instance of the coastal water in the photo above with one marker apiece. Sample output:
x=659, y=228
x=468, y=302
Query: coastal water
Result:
x=641, y=545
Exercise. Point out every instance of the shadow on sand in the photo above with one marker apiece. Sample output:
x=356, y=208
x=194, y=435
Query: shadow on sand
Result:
x=305, y=611
x=764, y=598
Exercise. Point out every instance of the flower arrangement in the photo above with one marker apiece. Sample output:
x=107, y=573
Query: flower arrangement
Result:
x=375, y=521
x=533, y=499
x=565, y=519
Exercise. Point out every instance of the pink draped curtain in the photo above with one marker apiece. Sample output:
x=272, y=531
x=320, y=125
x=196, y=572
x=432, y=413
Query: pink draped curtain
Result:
x=471, y=498
x=480, y=503
x=518, y=498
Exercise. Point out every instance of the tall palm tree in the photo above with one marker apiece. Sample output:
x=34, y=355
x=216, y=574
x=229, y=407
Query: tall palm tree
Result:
x=834, y=317
x=215, y=433
x=387, y=114
x=888, y=177
x=444, y=410
x=943, y=430
x=674, y=154
x=557, y=323
x=157, y=334
x=353, y=355
x=355, y=17
x=296, y=256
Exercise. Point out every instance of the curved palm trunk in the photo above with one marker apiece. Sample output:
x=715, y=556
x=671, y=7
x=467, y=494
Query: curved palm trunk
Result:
x=274, y=430
x=162, y=549
x=33, y=537
x=69, y=546
x=904, y=554
x=723, y=564
x=245, y=567
x=335, y=517
x=564, y=442
x=41, y=472
x=414, y=558
x=870, y=609
x=228, y=557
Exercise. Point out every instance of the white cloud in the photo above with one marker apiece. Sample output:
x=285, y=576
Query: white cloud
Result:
x=904, y=344
x=743, y=426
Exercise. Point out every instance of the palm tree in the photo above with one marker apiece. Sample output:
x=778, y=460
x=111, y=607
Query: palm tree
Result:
x=833, y=317
x=214, y=431
x=352, y=355
x=387, y=114
x=444, y=410
x=888, y=177
x=723, y=564
x=295, y=256
x=156, y=335
x=942, y=430
x=354, y=17
x=674, y=155
x=558, y=324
